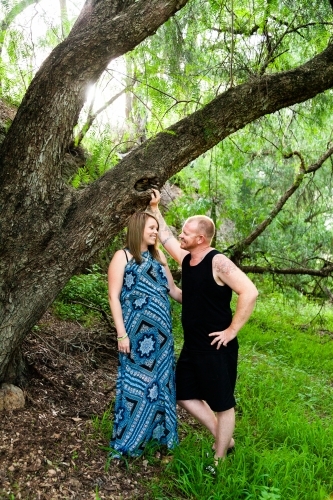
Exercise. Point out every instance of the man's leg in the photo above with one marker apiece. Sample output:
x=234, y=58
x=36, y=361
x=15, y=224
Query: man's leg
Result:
x=224, y=432
x=202, y=412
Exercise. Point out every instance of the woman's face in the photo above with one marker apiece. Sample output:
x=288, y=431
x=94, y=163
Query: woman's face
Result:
x=149, y=233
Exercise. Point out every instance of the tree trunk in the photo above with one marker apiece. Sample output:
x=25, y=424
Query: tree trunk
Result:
x=37, y=209
x=50, y=231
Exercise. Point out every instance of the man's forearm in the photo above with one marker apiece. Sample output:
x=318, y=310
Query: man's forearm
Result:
x=166, y=236
x=244, y=307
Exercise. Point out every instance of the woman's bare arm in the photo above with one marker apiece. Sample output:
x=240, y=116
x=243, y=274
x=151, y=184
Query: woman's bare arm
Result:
x=115, y=283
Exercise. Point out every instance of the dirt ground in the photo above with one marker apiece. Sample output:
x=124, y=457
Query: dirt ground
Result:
x=50, y=449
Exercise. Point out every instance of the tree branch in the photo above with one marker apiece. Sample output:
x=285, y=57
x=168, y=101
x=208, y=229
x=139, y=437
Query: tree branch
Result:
x=168, y=152
x=10, y=16
x=323, y=273
x=271, y=56
x=237, y=31
x=100, y=34
x=238, y=249
x=64, y=18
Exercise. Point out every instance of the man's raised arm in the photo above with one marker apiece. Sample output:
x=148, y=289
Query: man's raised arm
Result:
x=168, y=240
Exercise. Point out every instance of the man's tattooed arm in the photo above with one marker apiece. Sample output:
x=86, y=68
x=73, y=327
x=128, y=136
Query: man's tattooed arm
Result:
x=222, y=265
x=166, y=236
x=164, y=232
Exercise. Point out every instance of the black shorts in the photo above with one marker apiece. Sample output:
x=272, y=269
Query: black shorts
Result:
x=208, y=375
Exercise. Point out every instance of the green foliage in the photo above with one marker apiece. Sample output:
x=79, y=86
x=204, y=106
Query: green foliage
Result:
x=284, y=431
x=102, y=157
x=103, y=425
x=208, y=53
x=83, y=297
x=197, y=54
x=244, y=178
x=176, y=311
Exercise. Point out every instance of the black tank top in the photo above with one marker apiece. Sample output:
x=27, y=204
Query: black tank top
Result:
x=206, y=305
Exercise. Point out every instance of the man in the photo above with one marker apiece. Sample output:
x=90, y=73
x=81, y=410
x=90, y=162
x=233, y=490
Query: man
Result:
x=207, y=366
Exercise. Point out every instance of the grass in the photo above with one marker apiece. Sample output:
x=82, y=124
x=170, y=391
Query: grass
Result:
x=284, y=424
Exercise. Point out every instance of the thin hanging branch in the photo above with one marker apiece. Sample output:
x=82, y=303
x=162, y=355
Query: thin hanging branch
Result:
x=232, y=45
x=64, y=18
x=10, y=16
x=92, y=116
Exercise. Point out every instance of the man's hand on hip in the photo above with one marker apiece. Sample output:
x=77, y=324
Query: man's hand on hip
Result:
x=222, y=338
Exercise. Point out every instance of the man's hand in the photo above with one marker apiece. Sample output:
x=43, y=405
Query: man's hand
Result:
x=222, y=338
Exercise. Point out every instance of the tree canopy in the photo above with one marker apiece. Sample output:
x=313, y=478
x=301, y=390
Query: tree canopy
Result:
x=239, y=92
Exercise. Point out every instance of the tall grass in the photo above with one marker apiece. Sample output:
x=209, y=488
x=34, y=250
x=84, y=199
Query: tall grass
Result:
x=284, y=423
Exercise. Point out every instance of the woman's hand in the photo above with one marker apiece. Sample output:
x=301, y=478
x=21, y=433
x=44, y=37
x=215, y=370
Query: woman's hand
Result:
x=155, y=199
x=124, y=345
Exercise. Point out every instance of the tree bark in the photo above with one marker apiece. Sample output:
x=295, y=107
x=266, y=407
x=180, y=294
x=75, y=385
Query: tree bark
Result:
x=49, y=231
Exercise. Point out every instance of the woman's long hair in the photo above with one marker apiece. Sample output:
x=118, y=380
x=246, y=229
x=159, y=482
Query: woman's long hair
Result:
x=135, y=229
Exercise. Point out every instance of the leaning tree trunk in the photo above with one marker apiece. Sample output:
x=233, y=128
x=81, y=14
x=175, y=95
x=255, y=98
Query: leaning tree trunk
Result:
x=35, y=204
x=48, y=230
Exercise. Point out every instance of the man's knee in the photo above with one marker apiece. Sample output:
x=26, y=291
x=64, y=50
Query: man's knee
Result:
x=189, y=403
x=225, y=413
x=183, y=402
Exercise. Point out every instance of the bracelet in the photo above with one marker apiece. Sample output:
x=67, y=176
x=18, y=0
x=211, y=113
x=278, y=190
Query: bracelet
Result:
x=123, y=337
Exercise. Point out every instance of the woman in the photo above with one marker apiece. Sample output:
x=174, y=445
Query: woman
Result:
x=139, y=283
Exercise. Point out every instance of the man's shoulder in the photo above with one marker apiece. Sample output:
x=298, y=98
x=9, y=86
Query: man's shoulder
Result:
x=222, y=263
x=216, y=253
x=219, y=256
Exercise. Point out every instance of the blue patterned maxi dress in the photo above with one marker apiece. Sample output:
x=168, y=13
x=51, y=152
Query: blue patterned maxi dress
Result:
x=145, y=408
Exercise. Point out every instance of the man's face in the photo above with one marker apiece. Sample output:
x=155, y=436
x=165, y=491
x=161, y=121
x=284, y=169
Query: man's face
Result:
x=189, y=236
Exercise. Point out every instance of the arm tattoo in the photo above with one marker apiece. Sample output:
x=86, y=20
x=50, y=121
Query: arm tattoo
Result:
x=223, y=265
x=162, y=224
x=164, y=232
x=167, y=239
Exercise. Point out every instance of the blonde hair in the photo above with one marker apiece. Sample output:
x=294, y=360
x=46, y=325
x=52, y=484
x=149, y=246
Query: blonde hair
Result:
x=135, y=229
x=205, y=225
